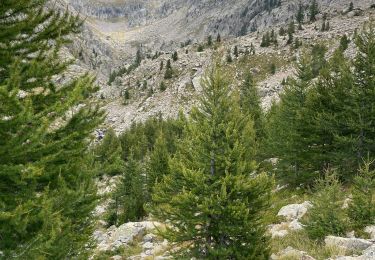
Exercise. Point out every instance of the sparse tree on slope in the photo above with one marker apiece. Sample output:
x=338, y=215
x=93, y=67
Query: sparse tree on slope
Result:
x=250, y=104
x=212, y=198
x=108, y=155
x=46, y=184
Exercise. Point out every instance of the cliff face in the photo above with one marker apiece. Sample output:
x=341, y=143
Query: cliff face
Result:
x=165, y=24
x=115, y=29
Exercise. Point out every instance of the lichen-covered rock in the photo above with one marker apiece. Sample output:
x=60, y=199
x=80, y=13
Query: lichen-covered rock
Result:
x=115, y=237
x=294, y=211
x=348, y=243
x=371, y=231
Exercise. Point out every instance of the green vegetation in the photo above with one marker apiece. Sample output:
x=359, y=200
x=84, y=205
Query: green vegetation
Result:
x=362, y=207
x=168, y=70
x=175, y=56
x=300, y=16
x=314, y=10
x=209, y=175
x=209, y=185
x=327, y=217
x=46, y=171
x=268, y=39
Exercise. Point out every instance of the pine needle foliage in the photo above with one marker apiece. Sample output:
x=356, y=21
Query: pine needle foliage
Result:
x=212, y=198
x=47, y=192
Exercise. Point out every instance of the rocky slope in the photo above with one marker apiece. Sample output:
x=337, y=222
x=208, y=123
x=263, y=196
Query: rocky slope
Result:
x=114, y=30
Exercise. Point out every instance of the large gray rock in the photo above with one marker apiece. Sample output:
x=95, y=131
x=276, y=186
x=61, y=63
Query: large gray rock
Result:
x=347, y=243
x=294, y=211
x=114, y=237
x=371, y=231
x=368, y=254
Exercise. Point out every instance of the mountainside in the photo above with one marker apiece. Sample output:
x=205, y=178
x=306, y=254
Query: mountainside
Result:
x=116, y=30
x=196, y=129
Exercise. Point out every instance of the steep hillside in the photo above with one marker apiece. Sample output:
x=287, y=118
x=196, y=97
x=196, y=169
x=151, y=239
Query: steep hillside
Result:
x=115, y=30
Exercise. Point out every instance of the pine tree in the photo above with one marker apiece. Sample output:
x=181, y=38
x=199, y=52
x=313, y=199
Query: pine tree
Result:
x=128, y=198
x=158, y=165
x=218, y=38
x=266, y=40
x=351, y=7
x=251, y=105
x=291, y=31
x=161, y=65
x=282, y=31
x=209, y=40
x=361, y=209
x=162, y=86
x=344, y=43
x=168, y=71
x=229, y=57
x=175, y=56
x=138, y=58
x=300, y=15
x=314, y=10
x=108, y=155
x=46, y=184
x=211, y=198
x=235, y=51
x=326, y=216
x=286, y=127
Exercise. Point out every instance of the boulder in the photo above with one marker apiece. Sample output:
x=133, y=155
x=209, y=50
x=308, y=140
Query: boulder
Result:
x=347, y=243
x=115, y=237
x=294, y=211
x=371, y=231
x=149, y=238
x=369, y=253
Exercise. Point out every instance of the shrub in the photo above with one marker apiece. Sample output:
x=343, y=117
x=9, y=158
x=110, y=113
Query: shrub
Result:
x=327, y=217
x=362, y=208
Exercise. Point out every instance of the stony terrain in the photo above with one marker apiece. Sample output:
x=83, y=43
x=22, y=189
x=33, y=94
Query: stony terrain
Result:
x=102, y=49
x=114, y=30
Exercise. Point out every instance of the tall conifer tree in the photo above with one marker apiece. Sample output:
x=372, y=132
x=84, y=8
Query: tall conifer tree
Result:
x=47, y=191
x=212, y=197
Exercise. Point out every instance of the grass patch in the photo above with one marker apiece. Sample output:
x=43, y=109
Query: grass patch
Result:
x=299, y=240
x=134, y=248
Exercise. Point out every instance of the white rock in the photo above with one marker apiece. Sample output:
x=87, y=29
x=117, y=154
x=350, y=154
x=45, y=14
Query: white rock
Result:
x=369, y=253
x=278, y=230
x=370, y=230
x=295, y=225
x=347, y=243
x=148, y=245
x=294, y=211
x=148, y=238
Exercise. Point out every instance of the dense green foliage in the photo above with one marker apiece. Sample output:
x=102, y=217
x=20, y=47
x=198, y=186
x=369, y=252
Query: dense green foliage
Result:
x=329, y=122
x=168, y=70
x=129, y=196
x=362, y=207
x=251, y=106
x=211, y=197
x=144, y=154
x=326, y=217
x=46, y=178
x=108, y=155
